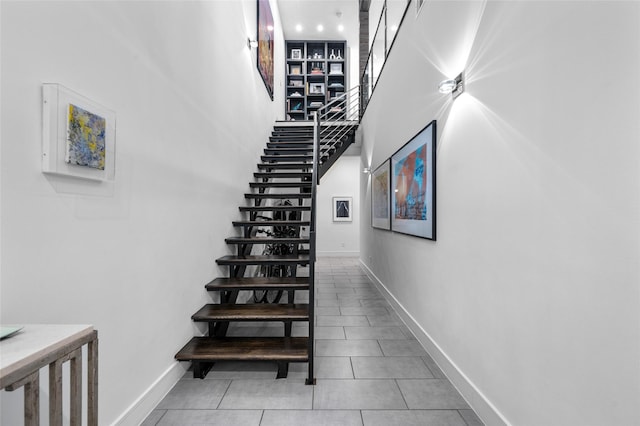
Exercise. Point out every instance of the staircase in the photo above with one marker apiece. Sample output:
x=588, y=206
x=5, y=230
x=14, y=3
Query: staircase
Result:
x=274, y=252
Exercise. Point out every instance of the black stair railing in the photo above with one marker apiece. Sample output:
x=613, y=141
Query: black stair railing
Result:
x=332, y=124
x=312, y=247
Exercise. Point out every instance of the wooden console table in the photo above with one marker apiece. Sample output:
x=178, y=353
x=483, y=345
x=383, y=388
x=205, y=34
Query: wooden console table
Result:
x=38, y=345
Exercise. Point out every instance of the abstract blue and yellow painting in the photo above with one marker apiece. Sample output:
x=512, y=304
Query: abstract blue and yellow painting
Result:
x=411, y=184
x=86, y=142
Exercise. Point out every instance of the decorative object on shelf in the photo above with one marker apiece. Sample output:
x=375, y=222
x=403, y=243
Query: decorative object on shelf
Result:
x=316, y=89
x=296, y=94
x=381, y=196
x=342, y=209
x=296, y=53
x=413, y=175
x=295, y=69
x=317, y=68
x=332, y=55
x=335, y=68
x=78, y=135
x=265, y=45
x=339, y=55
x=296, y=83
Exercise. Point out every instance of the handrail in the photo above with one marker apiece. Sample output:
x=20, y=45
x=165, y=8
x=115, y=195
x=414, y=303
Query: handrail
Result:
x=315, y=176
x=329, y=129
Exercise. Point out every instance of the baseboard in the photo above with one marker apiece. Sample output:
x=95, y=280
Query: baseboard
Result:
x=338, y=254
x=140, y=409
x=476, y=399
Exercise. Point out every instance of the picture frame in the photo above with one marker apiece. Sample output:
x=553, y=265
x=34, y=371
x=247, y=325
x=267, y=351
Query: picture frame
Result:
x=381, y=196
x=413, y=183
x=295, y=69
x=342, y=209
x=78, y=135
x=316, y=88
x=265, y=45
x=335, y=69
x=296, y=53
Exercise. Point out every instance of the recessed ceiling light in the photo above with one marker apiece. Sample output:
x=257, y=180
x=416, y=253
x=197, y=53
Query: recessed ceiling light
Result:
x=298, y=28
x=320, y=28
x=341, y=28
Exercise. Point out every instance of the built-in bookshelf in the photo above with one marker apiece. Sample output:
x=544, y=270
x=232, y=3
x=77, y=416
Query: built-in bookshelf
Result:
x=315, y=76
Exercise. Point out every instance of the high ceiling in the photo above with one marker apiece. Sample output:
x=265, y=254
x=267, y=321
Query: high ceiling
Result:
x=328, y=13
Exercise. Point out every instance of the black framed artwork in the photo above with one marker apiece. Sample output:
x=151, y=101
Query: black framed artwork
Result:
x=413, y=182
x=381, y=196
x=265, y=45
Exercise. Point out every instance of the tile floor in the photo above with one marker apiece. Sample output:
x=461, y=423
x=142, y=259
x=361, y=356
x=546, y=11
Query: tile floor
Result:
x=370, y=371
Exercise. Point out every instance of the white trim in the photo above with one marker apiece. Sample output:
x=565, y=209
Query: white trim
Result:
x=338, y=254
x=474, y=397
x=141, y=407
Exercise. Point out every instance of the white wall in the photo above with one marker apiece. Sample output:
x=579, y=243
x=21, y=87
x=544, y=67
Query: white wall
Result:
x=131, y=257
x=530, y=297
x=342, y=180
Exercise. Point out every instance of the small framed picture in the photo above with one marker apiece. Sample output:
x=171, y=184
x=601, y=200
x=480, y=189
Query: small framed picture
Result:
x=342, y=209
x=335, y=68
x=296, y=53
x=295, y=69
x=316, y=89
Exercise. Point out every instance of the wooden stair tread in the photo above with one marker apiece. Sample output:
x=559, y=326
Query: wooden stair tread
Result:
x=286, y=157
x=266, y=240
x=278, y=196
x=288, y=150
x=252, y=312
x=282, y=175
x=263, y=260
x=303, y=166
x=284, y=349
x=270, y=223
x=275, y=208
x=290, y=145
x=258, y=283
x=280, y=184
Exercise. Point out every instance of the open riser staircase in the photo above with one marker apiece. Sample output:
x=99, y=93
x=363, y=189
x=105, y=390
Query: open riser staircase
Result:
x=273, y=253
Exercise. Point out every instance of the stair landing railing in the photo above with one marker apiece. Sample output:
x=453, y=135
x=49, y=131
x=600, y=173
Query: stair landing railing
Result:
x=331, y=124
x=336, y=120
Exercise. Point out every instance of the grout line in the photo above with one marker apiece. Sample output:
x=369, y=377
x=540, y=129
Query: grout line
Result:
x=163, y=414
x=463, y=419
x=353, y=371
x=224, y=394
x=401, y=394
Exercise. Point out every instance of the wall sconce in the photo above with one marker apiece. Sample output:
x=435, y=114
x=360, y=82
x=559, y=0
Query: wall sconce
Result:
x=454, y=86
x=366, y=170
x=251, y=44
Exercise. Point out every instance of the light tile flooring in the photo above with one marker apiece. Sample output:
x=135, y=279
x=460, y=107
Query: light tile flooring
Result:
x=370, y=370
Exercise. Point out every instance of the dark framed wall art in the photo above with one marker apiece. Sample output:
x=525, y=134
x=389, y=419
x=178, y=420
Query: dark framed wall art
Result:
x=381, y=196
x=342, y=209
x=265, y=45
x=413, y=181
